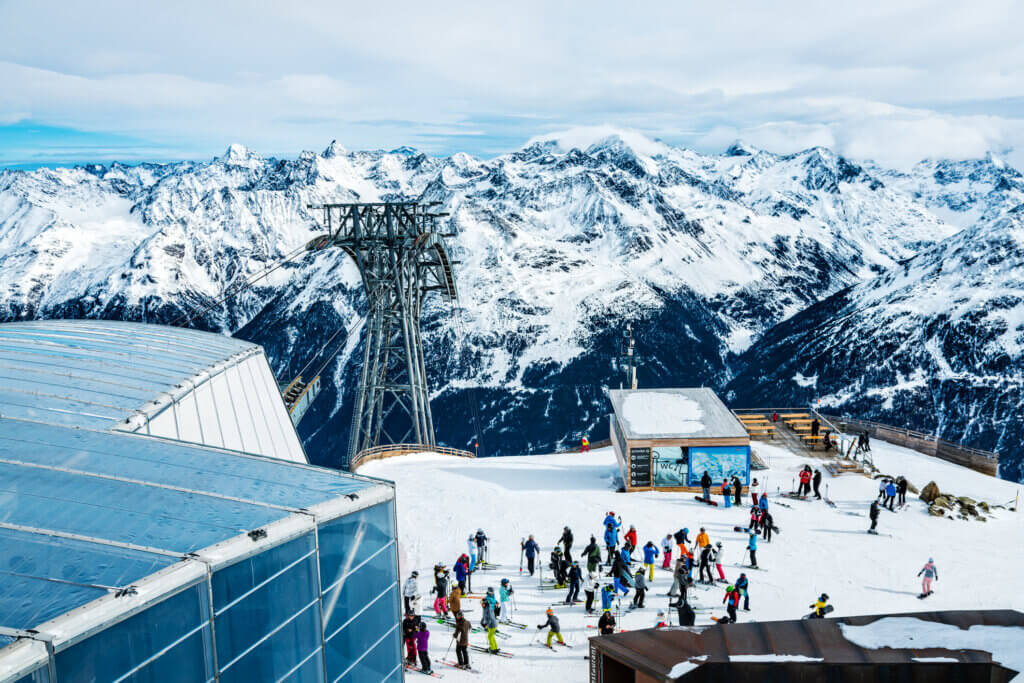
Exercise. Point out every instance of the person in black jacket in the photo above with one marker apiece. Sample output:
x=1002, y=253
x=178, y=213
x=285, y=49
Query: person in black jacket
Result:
x=873, y=514
x=606, y=624
x=686, y=615
x=566, y=542
x=767, y=525
x=410, y=625
x=557, y=566
x=705, y=483
x=737, y=490
x=901, y=489
x=575, y=577
x=705, y=564
x=817, y=484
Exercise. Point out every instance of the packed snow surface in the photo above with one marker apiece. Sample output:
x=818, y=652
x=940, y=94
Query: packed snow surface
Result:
x=1006, y=643
x=654, y=413
x=442, y=500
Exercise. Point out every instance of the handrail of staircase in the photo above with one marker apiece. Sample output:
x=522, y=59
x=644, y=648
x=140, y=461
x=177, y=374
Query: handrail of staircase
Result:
x=394, y=449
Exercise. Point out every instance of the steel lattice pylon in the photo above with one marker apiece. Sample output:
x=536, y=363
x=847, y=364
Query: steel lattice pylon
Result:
x=402, y=258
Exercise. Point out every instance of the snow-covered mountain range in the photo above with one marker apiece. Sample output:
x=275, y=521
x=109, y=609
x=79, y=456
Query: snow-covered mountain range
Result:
x=560, y=248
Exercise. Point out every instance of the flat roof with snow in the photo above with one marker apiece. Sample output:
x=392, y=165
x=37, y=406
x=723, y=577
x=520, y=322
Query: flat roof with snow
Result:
x=674, y=414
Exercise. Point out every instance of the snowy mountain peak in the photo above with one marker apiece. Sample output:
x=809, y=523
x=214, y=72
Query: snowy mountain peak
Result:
x=741, y=149
x=239, y=155
x=333, y=150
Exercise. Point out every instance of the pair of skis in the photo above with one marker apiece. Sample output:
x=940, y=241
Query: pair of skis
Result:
x=410, y=667
x=497, y=653
x=456, y=665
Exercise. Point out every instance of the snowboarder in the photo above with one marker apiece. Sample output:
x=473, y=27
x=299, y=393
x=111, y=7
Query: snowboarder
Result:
x=489, y=622
x=593, y=555
x=590, y=589
x=873, y=514
x=461, y=636
x=630, y=536
x=441, y=589
x=890, y=495
x=566, y=541
x=481, y=546
x=705, y=484
x=805, y=482
x=901, y=489
x=640, y=586
x=411, y=593
x=606, y=624
x=737, y=489
x=817, y=484
x=767, y=526
x=422, y=639
x=650, y=552
x=584, y=444
x=719, y=559
x=931, y=572
x=556, y=631
x=742, y=585
x=505, y=592
x=731, y=602
x=726, y=494
x=666, y=552
x=821, y=607
x=575, y=577
x=755, y=490
x=705, y=564
x=607, y=594
x=410, y=626
x=752, y=547
x=531, y=549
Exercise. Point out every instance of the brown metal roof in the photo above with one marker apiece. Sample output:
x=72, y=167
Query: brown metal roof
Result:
x=656, y=651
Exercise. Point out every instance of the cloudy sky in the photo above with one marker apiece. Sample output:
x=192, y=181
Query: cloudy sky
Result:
x=896, y=81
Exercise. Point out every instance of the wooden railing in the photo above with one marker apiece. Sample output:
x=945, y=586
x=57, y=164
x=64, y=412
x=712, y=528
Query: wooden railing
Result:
x=393, y=449
x=974, y=458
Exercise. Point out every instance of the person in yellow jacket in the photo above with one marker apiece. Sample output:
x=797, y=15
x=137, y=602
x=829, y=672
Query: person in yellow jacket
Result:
x=703, y=539
x=585, y=445
x=821, y=607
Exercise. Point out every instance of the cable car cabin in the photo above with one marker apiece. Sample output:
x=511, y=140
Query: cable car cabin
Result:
x=665, y=439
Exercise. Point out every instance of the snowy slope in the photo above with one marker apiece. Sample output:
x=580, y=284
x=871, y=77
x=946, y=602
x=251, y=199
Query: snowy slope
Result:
x=442, y=500
x=936, y=344
x=560, y=246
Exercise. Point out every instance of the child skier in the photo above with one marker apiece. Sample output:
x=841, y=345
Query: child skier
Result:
x=731, y=602
x=422, y=638
x=584, y=444
x=505, y=594
x=666, y=552
x=931, y=572
x=660, y=622
x=650, y=552
x=556, y=631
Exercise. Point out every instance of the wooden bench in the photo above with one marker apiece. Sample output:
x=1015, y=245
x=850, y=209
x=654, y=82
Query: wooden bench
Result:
x=756, y=422
x=762, y=431
x=760, y=428
x=753, y=418
x=794, y=415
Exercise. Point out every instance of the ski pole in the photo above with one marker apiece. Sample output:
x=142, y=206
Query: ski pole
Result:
x=522, y=550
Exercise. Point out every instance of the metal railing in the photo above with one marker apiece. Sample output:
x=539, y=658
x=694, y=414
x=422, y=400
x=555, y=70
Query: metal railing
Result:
x=394, y=449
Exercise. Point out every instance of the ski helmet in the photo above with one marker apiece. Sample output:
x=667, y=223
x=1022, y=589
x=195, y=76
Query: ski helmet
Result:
x=479, y=531
x=661, y=613
x=824, y=596
x=550, y=611
x=490, y=590
x=415, y=574
x=930, y=559
x=719, y=544
x=504, y=581
x=730, y=589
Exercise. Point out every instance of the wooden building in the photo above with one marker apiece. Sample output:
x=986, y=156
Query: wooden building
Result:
x=665, y=439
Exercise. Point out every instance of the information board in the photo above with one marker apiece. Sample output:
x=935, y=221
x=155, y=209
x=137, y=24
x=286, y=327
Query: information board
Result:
x=639, y=467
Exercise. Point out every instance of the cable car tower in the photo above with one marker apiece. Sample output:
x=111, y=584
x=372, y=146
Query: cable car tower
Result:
x=402, y=258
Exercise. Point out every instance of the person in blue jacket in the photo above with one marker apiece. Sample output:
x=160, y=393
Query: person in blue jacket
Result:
x=607, y=593
x=611, y=539
x=627, y=556
x=650, y=553
x=752, y=547
x=763, y=501
x=742, y=584
x=462, y=571
x=531, y=549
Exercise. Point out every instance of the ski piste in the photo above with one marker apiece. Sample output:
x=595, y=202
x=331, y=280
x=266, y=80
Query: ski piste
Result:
x=455, y=665
x=418, y=670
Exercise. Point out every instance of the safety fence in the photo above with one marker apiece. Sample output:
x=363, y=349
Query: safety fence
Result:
x=394, y=449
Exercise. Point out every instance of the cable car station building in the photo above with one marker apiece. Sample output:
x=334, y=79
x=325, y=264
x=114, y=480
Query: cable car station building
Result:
x=665, y=439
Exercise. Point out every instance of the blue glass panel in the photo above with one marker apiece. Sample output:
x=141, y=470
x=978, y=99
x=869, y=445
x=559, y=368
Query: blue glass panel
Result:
x=372, y=527
x=124, y=512
x=366, y=580
x=280, y=653
x=232, y=582
x=162, y=462
x=377, y=665
x=116, y=651
x=187, y=662
x=27, y=559
x=311, y=671
x=40, y=675
x=379, y=622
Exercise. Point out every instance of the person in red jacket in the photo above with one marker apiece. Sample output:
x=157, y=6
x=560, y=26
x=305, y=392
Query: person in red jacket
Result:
x=805, y=481
x=585, y=445
x=631, y=536
x=731, y=602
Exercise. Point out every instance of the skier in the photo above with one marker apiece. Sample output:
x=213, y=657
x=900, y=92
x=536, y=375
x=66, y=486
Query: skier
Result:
x=611, y=539
x=461, y=636
x=805, y=482
x=650, y=552
x=703, y=539
x=873, y=514
x=755, y=490
x=901, y=489
x=575, y=577
x=881, y=488
x=489, y=622
x=666, y=552
x=731, y=602
x=719, y=559
x=737, y=489
x=630, y=536
x=481, y=546
x=566, y=541
x=682, y=538
x=471, y=550
x=556, y=566
x=590, y=589
x=410, y=625
x=767, y=523
x=679, y=583
x=422, y=639
x=455, y=600
x=817, y=484
x=660, y=622
x=531, y=549
x=462, y=571
x=607, y=593
x=726, y=494
x=821, y=607
x=752, y=547
x=584, y=444
x=505, y=592
x=620, y=575
x=641, y=588
x=627, y=554
x=610, y=518
x=890, y=495
x=411, y=593
x=441, y=589
x=931, y=572
x=705, y=564
x=705, y=484
x=556, y=631
x=742, y=585
x=606, y=624
x=593, y=554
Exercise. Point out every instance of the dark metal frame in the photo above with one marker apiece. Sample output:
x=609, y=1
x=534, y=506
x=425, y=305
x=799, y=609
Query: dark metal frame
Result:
x=402, y=258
